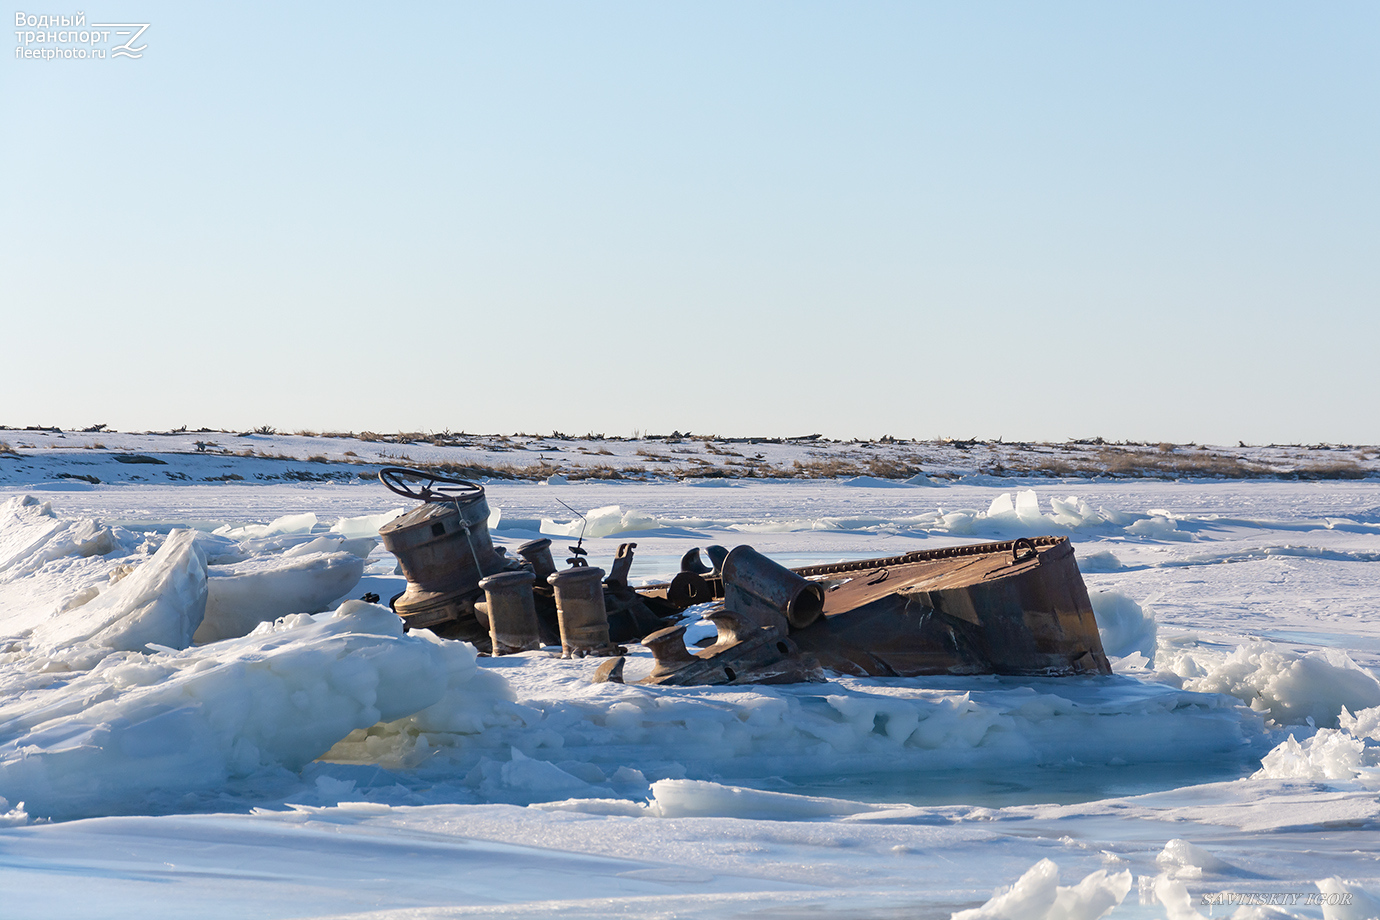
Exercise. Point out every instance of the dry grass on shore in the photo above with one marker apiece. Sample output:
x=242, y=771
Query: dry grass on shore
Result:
x=1194, y=463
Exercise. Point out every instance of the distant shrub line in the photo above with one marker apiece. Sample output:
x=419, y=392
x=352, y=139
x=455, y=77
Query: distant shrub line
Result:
x=685, y=456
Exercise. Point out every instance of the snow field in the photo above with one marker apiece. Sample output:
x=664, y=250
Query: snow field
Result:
x=110, y=706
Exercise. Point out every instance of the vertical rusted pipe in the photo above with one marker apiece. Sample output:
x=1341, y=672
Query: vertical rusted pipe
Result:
x=580, y=609
x=512, y=612
x=537, y=554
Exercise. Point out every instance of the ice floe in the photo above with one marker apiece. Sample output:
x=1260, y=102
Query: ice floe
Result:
x=136, y=731
x=1037, y=895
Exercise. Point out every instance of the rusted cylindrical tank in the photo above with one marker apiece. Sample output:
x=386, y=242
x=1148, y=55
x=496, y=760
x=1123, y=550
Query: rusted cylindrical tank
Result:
x=580, y=608
x=511, y=612
x=444, y=549
x=537, y=554
x=766, y=593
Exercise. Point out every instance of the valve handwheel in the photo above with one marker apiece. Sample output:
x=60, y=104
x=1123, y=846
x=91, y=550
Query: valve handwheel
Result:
x=427, y=486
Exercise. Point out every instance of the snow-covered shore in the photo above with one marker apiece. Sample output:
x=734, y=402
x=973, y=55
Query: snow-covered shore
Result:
x=173, y=457
x=327, y=764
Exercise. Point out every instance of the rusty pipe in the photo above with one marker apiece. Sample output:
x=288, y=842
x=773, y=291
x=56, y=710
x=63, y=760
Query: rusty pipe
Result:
x=580, y=610
x=765, y=593
x=511, y=612
x=537, y=554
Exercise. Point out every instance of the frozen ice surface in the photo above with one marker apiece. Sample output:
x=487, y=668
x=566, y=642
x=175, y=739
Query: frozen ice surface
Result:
x=365, y=525
x=1182, y=859
x=1292, y=688
x=31, y=535
x=161, y=601
x=241, y=595
x=887, y=740
x=1351, y=752
x=601, y=522
x=142, y=731
x=1236, y=749
x=1037, y=895
x=1344, y=900
x=1126, y=628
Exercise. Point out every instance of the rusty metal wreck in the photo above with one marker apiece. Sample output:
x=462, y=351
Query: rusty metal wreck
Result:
x=1018, y=607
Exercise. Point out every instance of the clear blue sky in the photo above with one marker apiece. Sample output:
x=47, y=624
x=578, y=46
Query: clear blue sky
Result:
x=1037, y=221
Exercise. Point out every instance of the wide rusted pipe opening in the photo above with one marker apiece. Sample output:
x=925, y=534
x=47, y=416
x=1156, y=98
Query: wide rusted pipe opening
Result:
x=766, y=593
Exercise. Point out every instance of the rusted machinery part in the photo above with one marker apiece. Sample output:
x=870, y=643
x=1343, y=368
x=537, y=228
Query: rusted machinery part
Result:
x=511, y=611
x=690, y=588
x=668, y=647
x=580, y=608
x=767, y=593
x=450, y=617
x=692, y=563
x=705, y=586
x=548, y=619
x=761, y=655
x=444, y=549
x=1023, y=549
x=537, y=554
x=717, y=555
x=632, y=616
x=732, y=627
x=447, y=555
x=947, y=552
x=427, y=486
x=1018, y=607
x=610, y=672
x=622, y=564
